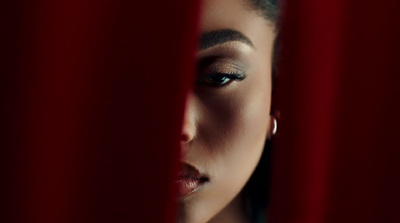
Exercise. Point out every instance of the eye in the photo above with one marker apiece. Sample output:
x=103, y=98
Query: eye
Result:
x=219, y=79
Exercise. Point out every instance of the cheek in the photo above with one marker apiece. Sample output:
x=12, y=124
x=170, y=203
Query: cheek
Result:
x=233, y=131
x=237, y=118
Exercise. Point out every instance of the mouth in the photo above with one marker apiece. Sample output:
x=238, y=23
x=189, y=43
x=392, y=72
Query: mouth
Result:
x=190, y=180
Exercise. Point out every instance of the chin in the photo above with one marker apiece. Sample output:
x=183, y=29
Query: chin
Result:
x=193, y=209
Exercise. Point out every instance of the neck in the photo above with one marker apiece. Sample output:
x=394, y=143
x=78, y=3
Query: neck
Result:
x=233, y=213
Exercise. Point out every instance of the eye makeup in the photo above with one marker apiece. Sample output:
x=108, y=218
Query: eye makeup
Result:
x=220, y=79
x=219, y=72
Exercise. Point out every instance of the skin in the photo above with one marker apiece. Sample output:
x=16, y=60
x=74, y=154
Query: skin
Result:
x=225, y=126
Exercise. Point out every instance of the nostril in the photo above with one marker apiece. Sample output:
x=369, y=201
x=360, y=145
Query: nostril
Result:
x=185, y=137
x=187, y=133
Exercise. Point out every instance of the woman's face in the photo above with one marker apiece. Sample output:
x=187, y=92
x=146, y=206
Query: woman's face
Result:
x=227, y=115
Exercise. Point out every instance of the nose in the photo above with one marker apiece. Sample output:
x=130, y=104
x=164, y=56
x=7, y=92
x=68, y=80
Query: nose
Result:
x=188, y=128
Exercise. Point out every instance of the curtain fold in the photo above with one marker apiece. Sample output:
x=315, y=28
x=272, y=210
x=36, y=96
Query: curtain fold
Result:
x=92, y=107
x=336, y=157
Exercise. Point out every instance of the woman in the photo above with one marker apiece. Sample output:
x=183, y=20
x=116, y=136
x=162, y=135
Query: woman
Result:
x=227, y=118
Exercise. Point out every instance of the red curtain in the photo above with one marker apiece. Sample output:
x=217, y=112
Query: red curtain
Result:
x=92, y=97
x=92, y=107
x=336, y=158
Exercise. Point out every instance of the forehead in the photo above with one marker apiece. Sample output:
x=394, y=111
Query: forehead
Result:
x=222, y=12
x=236, y=15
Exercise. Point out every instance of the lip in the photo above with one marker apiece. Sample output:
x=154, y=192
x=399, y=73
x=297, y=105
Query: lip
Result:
x=190, y=180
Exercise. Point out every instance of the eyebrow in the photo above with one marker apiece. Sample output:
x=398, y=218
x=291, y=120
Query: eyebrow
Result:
x=217, y=37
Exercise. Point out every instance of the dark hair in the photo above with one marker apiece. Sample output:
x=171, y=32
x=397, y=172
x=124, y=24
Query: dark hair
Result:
x=269, y=9
x=256, y=191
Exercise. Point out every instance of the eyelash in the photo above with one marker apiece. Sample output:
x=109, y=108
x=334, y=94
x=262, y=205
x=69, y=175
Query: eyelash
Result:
x=226, y=78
